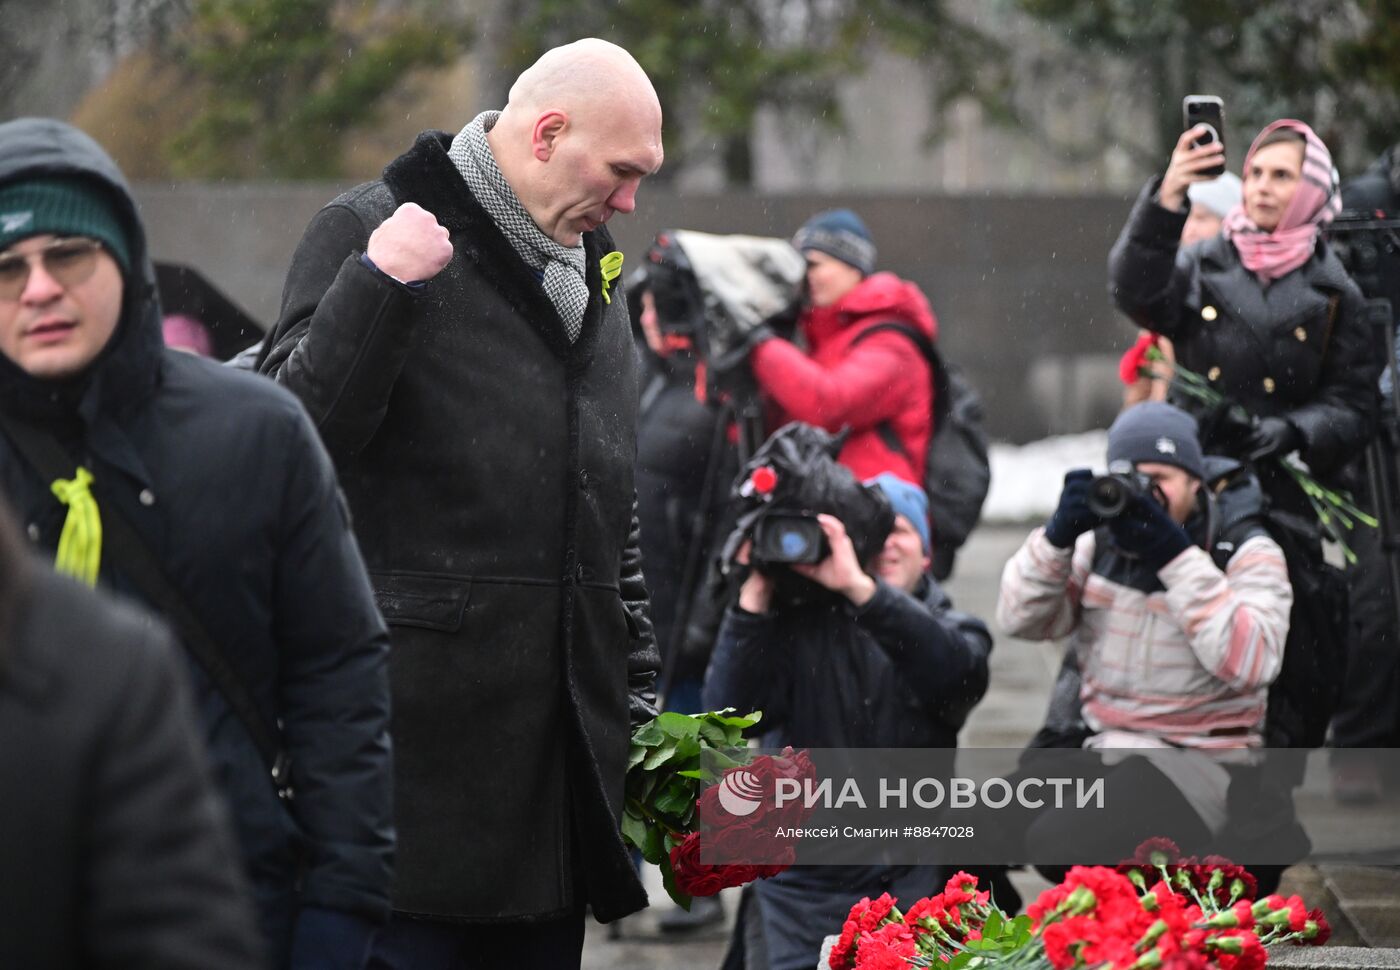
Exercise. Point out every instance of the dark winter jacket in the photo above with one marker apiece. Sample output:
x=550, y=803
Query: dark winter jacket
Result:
x=1297, y=348
x=488, y=463
x=901, y=672
x=223, y=476
x=115, y=848
x=685, y=460
x=877, y=385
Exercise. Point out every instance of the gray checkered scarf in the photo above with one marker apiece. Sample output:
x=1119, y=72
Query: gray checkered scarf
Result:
x=563, y=266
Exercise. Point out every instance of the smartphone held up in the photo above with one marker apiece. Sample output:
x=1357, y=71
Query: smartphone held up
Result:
x=1208, y=110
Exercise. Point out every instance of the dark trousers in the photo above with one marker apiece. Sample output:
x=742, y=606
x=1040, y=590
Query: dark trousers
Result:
x=1368, y=715
x=414, y=944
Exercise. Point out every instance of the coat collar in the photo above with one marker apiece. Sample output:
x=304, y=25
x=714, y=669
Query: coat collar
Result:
x=426, y=175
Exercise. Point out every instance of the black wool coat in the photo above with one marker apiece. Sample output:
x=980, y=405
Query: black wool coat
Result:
x=223, y=477
x=488, y=465
x=114, y=846
x=1298, y=348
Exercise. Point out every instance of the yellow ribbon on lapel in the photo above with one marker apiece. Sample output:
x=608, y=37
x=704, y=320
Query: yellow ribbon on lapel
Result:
x=611, y=267
x=80, y=543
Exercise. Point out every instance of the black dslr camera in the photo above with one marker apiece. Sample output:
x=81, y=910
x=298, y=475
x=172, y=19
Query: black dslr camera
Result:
x=1111, y=494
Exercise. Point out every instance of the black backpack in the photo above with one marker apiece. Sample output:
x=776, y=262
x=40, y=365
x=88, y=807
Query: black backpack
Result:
x=957, y=472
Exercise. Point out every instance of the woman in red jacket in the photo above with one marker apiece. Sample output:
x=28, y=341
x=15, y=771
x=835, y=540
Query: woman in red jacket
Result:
x=877, y=384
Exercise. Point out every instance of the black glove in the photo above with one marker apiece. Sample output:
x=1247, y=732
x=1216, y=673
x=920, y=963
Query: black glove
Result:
x=1271, y=437
x=1145, y=529
x=1224, y=429
x=1073, y=517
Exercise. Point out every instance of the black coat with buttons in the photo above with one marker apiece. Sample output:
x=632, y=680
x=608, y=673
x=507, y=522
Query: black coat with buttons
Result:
x=224, y=478
x=1298, y=348
x=488, y=463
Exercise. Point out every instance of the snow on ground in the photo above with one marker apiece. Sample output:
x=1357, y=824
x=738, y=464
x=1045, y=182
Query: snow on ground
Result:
x=1026, y=479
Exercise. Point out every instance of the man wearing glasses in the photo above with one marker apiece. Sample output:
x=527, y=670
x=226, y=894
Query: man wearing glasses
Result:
x=205, y=494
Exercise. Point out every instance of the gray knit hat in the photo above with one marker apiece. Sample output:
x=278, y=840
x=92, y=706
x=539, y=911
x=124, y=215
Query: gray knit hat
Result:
x=63, y=207
x=839, y=233
x=1158, y=432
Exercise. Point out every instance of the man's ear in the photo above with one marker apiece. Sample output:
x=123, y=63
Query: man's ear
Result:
x=548, y=128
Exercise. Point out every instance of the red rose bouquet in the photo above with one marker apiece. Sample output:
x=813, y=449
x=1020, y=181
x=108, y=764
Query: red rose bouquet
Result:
x=668, y=801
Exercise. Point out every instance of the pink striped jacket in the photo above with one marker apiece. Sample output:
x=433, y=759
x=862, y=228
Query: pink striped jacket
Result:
x=1190, y=665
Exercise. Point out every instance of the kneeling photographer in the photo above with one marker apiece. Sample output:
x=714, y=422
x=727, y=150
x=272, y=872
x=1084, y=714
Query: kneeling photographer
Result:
x=843, y=641
x=1176, y=604
x=1176, y=601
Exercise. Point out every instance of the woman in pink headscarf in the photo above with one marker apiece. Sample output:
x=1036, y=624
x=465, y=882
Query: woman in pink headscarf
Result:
x=1266, y=312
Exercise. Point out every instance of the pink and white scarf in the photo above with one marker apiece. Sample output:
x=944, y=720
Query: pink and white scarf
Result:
x=1271, y=255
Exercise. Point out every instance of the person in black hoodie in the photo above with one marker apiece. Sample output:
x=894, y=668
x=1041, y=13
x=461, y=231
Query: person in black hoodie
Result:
x=115, y=850
x=883, y=661
x=220, y=478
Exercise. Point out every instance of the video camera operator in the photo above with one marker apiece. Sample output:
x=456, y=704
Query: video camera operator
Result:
x=856, y=371
x=858, y=649
x=685, y=460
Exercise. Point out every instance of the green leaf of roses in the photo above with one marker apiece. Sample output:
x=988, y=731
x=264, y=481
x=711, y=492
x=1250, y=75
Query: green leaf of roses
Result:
x=634, y=830
x=668, y=882
x=659, y=755
x=648, y=735
x=678, y=725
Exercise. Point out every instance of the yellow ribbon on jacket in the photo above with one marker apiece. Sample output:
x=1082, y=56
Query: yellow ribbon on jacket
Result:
x=80, y=544
x=611, y=267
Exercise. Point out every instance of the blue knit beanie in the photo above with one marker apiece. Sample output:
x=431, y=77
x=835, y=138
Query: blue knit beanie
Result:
x=1158, y=432
x=839, y=233
x=907, y=500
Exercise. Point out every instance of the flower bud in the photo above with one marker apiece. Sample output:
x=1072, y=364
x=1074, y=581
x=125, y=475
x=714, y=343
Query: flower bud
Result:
x=1081, y=901
x=1153, y=934
x=1150, y=960
x=1232, y=945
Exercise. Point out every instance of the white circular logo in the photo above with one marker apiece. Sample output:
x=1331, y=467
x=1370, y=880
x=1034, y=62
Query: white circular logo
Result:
x=740, y=792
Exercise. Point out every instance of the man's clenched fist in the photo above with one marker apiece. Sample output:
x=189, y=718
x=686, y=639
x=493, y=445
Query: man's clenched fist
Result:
x=410, y=246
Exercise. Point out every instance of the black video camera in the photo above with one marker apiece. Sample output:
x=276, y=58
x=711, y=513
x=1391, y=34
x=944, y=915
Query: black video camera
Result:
x=1111, y=494
x=783, y=538
x=780, y=491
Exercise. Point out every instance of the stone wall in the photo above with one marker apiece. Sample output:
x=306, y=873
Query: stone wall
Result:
x=1018, y=283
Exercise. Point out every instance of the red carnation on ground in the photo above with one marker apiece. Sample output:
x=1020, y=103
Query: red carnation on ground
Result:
x=1157, y=851
x=1239, y=950
x=962, y=888
x=888, y=948
x=1317, y=930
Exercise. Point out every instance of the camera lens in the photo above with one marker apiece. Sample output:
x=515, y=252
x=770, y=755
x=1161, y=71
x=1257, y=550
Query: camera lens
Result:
x=793, y=544
x=785, y=537
x=1108, y=496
